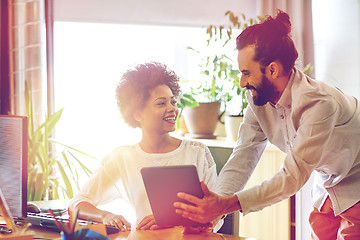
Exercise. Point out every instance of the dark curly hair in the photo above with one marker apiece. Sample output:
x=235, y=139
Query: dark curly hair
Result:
x=133, y=89
x=272, y=41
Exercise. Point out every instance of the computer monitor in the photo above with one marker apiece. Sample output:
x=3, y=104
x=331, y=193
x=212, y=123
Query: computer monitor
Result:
x=13, y=163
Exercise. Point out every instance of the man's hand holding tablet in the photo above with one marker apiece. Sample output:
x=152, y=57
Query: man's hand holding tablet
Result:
x=208, y=209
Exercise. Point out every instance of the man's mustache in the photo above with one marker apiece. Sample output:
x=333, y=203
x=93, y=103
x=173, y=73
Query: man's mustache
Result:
x=249, y=87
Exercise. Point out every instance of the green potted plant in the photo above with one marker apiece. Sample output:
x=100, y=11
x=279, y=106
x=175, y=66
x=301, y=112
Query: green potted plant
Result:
x=50, y=176
x=186, y=100
x=221, y=84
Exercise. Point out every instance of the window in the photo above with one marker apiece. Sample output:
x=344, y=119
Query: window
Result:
x=90, y=59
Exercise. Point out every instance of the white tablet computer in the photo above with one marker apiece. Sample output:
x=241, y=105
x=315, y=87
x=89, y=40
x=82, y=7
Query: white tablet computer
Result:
x=162, y=185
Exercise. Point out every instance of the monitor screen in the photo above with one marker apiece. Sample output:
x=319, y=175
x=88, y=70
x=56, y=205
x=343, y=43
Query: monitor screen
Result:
x=13, y=163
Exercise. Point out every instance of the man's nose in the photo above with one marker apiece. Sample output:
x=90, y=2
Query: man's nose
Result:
x=243, y=81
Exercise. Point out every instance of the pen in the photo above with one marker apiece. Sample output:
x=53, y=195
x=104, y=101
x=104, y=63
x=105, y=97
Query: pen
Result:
x=58, y=224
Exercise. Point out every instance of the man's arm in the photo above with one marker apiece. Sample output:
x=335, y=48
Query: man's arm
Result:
x=207, y=209
x=246, y=154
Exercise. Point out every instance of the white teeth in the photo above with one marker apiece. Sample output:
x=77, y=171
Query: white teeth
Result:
x=169, y=119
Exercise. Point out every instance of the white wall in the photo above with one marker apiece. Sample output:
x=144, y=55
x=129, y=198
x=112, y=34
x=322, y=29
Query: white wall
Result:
x=158, y=12
x=337, y=43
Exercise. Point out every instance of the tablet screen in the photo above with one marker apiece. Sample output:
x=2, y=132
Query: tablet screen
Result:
x=162, y=185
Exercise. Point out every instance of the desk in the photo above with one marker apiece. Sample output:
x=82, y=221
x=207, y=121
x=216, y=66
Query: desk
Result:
x=163, y=234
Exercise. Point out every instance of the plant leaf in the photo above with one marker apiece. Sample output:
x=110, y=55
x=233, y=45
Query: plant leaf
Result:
x=66, y=180
x=67, y=146
x=83, y=167
x=40, y=189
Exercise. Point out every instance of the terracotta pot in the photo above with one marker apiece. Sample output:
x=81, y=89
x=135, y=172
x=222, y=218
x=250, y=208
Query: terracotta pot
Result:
x=201, y=121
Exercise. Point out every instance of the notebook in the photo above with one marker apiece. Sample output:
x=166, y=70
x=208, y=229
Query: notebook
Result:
x=162, y=185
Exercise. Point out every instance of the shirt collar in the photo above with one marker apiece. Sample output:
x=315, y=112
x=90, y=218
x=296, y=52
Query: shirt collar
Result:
x=285, y=99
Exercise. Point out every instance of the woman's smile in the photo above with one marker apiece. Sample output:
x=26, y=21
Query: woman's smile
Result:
x=170, y=119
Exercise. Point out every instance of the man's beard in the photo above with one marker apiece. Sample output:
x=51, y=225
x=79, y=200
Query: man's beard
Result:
x=266, y=92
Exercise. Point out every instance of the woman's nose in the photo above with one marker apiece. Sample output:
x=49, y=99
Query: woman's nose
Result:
x=172, y=108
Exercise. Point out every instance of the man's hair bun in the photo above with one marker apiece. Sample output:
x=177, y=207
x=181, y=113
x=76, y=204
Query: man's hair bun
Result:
x=280, y=24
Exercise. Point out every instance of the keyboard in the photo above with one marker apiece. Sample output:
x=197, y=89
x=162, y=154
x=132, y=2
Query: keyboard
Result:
x=47, y=221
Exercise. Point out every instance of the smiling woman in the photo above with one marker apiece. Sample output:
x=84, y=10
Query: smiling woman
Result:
x=146, y=96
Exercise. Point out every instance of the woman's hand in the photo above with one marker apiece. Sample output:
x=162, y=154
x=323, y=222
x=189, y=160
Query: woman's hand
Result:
x=116, y=220
x=148, y=223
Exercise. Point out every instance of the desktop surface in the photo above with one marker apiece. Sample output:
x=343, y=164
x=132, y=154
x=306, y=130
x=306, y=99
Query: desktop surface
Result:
x=175, y=233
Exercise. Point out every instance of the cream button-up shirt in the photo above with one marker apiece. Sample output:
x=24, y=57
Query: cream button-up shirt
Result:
x=318, y=127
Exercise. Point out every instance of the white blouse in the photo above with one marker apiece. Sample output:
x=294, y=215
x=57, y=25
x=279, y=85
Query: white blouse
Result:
x=119, y=174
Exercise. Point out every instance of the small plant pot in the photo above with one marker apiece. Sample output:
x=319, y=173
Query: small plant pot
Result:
x=201, y=121
x=232, y=124
x=182, y=127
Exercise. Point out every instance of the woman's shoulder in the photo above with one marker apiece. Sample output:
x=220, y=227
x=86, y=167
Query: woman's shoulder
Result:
x=196, y=147
x=195, y=144
x=122, y=149
x=120, y=152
